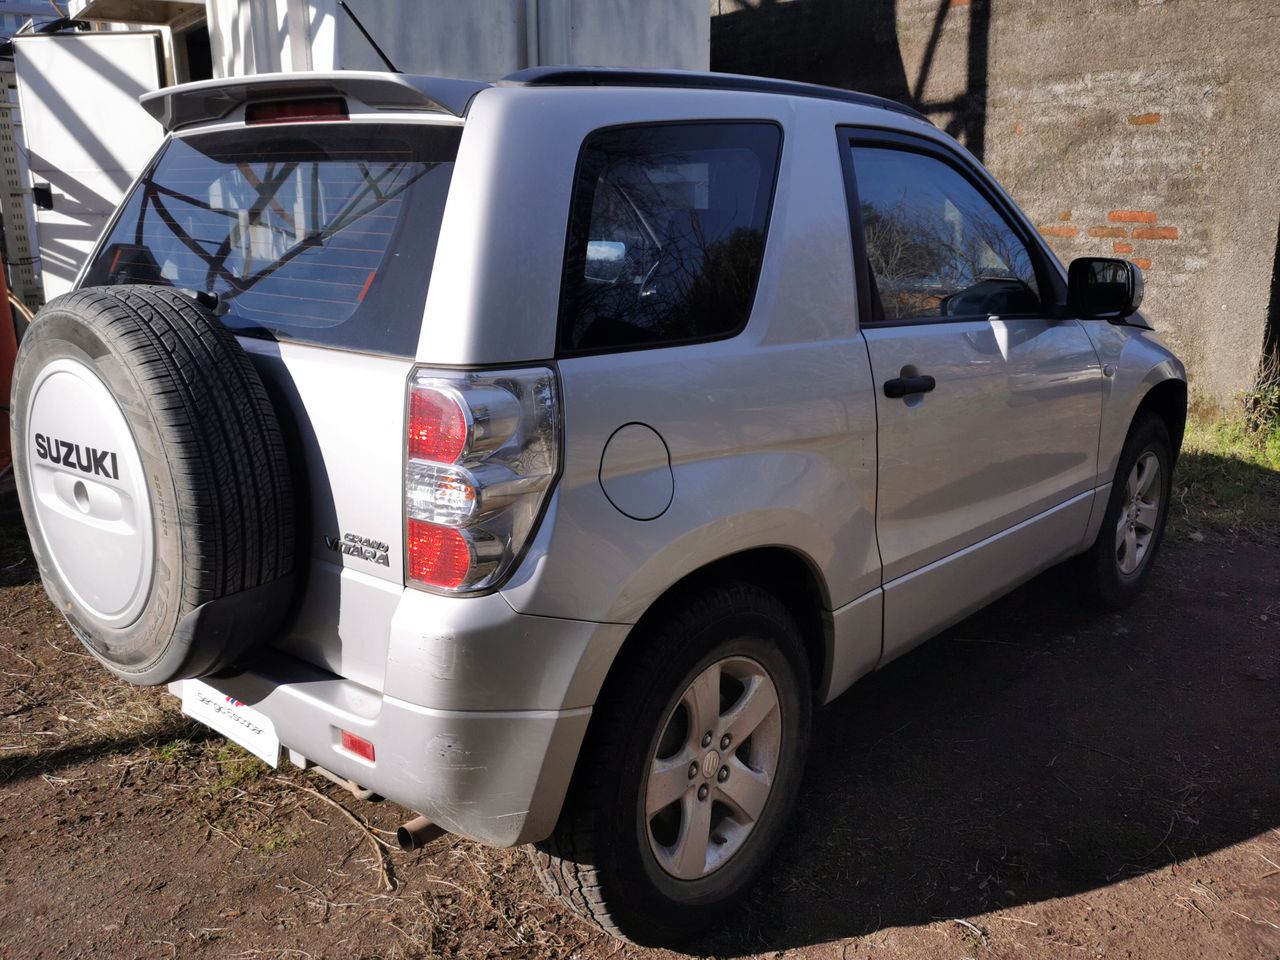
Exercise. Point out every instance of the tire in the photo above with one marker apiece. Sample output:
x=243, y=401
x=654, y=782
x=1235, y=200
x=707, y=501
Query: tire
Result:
x=1105, y=580
x=606, y=859
x=153, y=478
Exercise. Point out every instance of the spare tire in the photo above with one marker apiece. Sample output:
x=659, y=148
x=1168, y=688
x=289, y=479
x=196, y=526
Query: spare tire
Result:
x=154, y=481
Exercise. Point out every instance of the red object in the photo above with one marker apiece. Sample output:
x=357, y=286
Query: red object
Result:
x=437, y=426
x=357, y=745
x=296, y=111
x=438, y=556
x=8, y=355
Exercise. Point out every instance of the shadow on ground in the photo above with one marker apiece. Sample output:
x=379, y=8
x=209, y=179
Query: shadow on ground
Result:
x=1035, y=751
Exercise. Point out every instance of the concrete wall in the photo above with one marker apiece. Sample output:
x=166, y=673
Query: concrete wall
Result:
x=1148, y=129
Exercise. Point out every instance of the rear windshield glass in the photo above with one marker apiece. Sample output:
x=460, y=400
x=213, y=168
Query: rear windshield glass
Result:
x=320, y=232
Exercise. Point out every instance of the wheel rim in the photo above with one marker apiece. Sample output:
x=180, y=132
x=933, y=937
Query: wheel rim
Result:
x=713, y=768
x=1136, y=528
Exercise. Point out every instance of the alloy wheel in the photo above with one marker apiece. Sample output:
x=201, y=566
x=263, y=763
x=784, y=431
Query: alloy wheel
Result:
x=713, y=769
x=1139, y=513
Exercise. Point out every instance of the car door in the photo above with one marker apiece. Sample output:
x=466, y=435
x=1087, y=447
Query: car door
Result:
x=988, y=400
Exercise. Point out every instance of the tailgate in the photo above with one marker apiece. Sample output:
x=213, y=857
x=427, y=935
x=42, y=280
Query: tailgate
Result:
x=315, y=243
x=343, y=417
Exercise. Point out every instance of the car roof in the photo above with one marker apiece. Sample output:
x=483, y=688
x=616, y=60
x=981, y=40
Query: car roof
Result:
x=696, y=80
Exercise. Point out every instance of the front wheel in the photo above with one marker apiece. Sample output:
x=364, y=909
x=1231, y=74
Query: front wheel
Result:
x=1119, y=562
x=690, y=769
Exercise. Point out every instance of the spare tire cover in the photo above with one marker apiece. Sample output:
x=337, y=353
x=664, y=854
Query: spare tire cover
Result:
x=154, y=481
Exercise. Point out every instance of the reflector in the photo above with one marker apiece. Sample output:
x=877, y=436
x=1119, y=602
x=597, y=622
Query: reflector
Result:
x=357, y=745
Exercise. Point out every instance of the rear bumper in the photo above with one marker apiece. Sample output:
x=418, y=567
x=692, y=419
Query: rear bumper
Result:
x=498, y=777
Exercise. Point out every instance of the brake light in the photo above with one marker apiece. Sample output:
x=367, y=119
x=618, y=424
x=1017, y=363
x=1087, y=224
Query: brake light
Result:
x=296, y=111
x=481, y=456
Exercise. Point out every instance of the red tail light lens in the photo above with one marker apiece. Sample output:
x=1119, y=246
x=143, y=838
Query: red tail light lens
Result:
x=439, y=556
x=437, y=426
x=296, y=111
x=357, y=745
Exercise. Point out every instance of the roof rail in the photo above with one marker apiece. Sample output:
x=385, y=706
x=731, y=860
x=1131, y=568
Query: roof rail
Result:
x=208, y=100
x=626, y=77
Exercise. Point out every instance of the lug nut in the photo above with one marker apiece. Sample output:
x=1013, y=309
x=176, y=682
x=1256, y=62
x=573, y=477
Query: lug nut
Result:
x=693, y=769
x=706, y=739
x=723, y=775
x=725, y=741
x=702, y=792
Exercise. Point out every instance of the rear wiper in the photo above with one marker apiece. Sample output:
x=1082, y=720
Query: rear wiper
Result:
x=211, y=300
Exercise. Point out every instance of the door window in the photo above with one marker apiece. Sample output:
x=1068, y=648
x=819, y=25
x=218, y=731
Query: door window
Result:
x=935, y=246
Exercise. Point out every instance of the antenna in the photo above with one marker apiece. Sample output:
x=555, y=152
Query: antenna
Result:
x=372, y=42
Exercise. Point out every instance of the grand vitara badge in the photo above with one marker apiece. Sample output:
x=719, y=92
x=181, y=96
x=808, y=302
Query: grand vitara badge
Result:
x=91, y=460
x=363, y=548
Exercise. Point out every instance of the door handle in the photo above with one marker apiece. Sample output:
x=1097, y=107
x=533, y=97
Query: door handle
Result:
x=905, y=386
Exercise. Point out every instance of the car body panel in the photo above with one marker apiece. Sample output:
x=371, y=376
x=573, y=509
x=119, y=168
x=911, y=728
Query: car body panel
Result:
x=1138, y=360
x=925, y=601
x=1009, y=432
x=343, y=418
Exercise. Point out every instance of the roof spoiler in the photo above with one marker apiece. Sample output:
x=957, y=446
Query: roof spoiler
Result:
x=209, y=100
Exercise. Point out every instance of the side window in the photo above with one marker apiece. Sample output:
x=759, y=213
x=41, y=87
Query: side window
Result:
x=666, y=234
x=935, y=246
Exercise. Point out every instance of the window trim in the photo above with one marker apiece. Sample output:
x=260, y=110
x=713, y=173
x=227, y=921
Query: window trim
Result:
x=561, y=307
x=1052, y=289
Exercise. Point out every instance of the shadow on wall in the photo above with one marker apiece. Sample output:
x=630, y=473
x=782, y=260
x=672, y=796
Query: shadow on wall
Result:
x=855, y=46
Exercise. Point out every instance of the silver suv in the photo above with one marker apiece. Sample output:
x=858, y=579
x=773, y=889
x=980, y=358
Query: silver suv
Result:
x=539, y=455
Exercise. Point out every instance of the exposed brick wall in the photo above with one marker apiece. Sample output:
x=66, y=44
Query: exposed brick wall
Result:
x=1147, y=129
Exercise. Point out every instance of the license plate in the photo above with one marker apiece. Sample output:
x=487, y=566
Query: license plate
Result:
x=246, y=726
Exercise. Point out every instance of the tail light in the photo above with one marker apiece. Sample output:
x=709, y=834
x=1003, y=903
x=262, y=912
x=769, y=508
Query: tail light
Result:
x=482, y=451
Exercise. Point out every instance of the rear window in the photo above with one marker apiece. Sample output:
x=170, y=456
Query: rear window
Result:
x=323, y=233
x=666, y=234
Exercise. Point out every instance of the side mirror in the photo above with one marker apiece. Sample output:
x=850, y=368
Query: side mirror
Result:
x=1103, y=288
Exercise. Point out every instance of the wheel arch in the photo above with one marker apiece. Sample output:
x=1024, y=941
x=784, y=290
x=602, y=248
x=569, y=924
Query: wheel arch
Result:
x=792, y=577
x=1167, y=399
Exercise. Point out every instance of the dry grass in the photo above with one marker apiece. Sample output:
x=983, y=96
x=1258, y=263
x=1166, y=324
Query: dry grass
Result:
x=1228, y=478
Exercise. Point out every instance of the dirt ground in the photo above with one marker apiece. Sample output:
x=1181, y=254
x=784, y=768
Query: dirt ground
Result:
x=1040, y=782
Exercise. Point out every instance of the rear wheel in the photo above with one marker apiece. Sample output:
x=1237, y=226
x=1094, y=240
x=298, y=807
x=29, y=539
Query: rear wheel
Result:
x=692, y=765
x=1120, y=561
x=154, y=481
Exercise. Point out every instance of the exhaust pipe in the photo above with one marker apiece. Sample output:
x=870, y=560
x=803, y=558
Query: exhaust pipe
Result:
x=417, y=833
